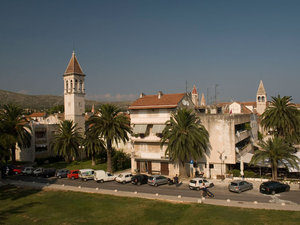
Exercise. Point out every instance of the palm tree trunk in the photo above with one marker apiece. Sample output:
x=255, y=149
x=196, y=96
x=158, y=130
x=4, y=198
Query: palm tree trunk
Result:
x=13, y=154
x=274, y=171
x=182, y=170
x=93, y=159
x=108, y=152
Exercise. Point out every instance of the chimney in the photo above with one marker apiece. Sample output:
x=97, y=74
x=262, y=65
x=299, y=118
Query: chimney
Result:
x=142, y=95
x=160, y=94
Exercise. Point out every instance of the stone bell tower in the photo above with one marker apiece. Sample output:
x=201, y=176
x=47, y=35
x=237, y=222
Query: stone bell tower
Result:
x=261, y=99
x=74, y=93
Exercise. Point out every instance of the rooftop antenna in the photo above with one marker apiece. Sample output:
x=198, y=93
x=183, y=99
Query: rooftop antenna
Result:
x=73, y=46
x=186, y=88
x=216, y=85
x=207, y=96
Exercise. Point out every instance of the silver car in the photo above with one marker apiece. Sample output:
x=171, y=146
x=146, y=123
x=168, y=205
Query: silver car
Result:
x=239, y=186
x=156, y=180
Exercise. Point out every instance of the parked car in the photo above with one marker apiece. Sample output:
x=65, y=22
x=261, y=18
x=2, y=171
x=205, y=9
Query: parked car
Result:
x=38, y=172
x=101, y=176
x=239, y=186
x=139, y=179
x=18, y=169
x=86, y=174
x=273, y=187
x=197, y=183
x=156, y=180
x=48, y=172
x=73, y=174
x=124, y=178
x=61, y=173
x=28, y=171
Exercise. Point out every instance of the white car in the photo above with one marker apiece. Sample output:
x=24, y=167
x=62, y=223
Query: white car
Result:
x=38, y=172
x=101, y=176
x=86, y=174
x=124, y=178
x=197, y=183
x=28, y=171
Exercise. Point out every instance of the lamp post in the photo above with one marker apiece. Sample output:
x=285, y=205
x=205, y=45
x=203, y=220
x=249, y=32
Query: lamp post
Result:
x=222, y=161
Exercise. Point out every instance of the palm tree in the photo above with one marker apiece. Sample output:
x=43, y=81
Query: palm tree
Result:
x=282, y=117
x=15, y=129
x=186, y=138
x=67, y=140
x=93, y=144
x=111, y=125
x=275, y=151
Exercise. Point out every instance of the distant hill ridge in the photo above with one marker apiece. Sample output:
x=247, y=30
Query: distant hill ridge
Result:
x=41, y=102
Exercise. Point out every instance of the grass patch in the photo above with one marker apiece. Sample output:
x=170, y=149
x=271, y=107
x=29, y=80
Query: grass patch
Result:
x=87, y=164
x=25, y=206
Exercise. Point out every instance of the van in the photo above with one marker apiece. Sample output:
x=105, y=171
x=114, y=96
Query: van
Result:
x=86, y=174
x=101, y=176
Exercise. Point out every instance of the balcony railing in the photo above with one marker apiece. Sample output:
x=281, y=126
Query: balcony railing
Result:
x=241, y=135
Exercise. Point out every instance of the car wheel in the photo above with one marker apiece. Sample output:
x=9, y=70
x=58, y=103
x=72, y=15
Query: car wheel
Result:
x=101, y=181
x=273, y=192
x=191, y=188
x=287, y=189
x=59, y=177
x=156, y=184
x=47, y=175
x=239, y=191
x=85, y=179
x=73, y=178
x=139, y=183
x=16, y=173
x=198, y=189
x=124, y=182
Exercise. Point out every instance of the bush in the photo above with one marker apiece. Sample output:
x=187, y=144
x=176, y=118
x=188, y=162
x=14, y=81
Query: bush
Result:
x=250, y=174
x=120, y=161
x=236, y=173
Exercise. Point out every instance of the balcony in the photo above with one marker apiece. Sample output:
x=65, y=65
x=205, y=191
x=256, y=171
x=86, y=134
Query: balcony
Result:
x=241, y=135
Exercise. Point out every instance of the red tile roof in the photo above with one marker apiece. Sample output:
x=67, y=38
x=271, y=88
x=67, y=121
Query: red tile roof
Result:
x=166, y=101
x=38, y=114
x=73, y=66
x=194, y=90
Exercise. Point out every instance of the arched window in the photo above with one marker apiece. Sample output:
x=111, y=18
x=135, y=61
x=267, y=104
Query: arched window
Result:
x=71, y=85
x=258, y=98
x=80, y=85
x=263, y=98
x=67, y=86
x=76, y=85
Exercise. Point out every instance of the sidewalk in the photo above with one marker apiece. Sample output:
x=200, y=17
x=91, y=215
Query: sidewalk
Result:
x=175, y=199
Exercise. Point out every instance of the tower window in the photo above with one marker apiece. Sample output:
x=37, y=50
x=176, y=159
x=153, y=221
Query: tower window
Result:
x=258, y=98
x=80, y=85
x=76, y=85
x=67, y=86
x=263, y=98
x=71, y=85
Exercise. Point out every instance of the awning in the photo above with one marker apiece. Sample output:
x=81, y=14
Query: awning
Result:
x=158, y=128
x=139, y=128
x=246, y=158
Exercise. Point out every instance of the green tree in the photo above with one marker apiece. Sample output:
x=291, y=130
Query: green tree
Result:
x=15, y=129
x=186, y=138
x=93, y=144
x=275, y=151
x=282, y=117
x=67, y=140
x=112, y=125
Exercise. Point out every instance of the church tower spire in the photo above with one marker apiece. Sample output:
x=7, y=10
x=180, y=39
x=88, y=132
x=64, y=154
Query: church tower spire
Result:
x=74, y=92
x=195, y=96
x=261, y=98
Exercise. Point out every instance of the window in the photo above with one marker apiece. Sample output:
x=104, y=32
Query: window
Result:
x=258, y=98
x=211, y=166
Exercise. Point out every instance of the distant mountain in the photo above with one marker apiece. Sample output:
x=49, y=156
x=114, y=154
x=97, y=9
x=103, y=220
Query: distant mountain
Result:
x=44, y=102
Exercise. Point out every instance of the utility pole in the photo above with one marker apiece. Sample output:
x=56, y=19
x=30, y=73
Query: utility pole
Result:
x=216, y=85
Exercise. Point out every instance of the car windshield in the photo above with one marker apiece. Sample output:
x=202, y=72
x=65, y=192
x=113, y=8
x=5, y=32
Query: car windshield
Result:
x=121, y=175
x=193, y=181
x=234, y=184
x=151, y=178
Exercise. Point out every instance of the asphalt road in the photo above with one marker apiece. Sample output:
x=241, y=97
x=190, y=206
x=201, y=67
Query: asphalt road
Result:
x=221, y=192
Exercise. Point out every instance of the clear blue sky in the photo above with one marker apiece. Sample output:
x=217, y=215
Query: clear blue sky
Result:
x=128, y=47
